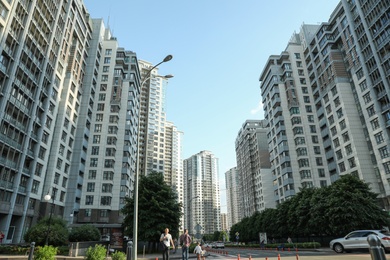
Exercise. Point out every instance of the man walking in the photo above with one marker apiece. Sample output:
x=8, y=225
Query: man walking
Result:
x=185, y=242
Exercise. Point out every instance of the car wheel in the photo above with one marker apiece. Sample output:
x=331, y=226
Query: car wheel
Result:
x=338, y=248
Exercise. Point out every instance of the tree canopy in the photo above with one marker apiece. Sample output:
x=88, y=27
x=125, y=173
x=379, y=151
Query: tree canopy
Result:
x=346, y=205
x=84, y=233
x=158, y=208
x=57, y=233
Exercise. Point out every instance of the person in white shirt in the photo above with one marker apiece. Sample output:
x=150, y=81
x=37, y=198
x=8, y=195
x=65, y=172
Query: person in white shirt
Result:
x=198, y=251
x=166, y=238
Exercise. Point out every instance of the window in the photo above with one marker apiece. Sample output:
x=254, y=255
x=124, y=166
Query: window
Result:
x=35, y=187
x=379, y=138
x=105, y=201
x=363, y=85
x=100, y=107
x=314, y=139
x=303, y=162
x=384, y=152
x=310, y=118
x=90, y=187
x=92, y=174
x=317, y=150
x=93, y=162
x=308, y=109
x=375, y=124
x=98, y=128
x=321, y=173
x=367, y=98
x=95, y=150
x=340, y=113
x=313, y=129
x=108, y=52
x=333, y=130
x=371, y=110
x=319, y=161
x=342, y=167
x=351, y=162
x=297, y=55
x=102, y=97
x=339, y=154
x=346, y=137
x=88, y=212
x=103, y=87
x=107, y=60
x=331, y=120
x=103, y=213
x=342, y=124
x=106, y=187
x=386, y=166
x=99, y=117
x=89, y=200
x=336, y=142
x=337, y=102
x=96, y=139
x=64, y=182
x=106, y=68
x=104, y=78
x=348, y=149
x=59, y=164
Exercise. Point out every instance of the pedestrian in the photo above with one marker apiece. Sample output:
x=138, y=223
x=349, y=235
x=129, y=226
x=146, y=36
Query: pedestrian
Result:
x=1, y=237
x=166, y=238
x=262, y=244
x=289, y=240
x=185, y=242
x=198, y=251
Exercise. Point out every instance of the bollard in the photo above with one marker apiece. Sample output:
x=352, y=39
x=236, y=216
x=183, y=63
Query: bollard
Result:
x=31, y=253
x=297, y=256
x=129, y=250
x=278, y=256
x=376, y=250
x=238, y=257
x=250, y=257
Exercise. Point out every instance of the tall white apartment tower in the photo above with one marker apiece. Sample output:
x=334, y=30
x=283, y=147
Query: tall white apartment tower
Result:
x=232, y=197
x=152, y=119
x=201, y=194
x=111, y=158
x=173, y=174
x=44, y=46
x=326, y=100
x=253, y=168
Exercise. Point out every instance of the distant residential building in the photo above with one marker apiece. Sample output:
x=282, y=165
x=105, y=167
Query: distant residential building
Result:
x=232, y=197
x=224, y=222
x=201, y=194
x=153, y=119
x=253, y=168
x=326, y=101
x=173, y=174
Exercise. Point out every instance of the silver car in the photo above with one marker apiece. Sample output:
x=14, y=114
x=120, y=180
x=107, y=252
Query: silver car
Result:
x=357, y=240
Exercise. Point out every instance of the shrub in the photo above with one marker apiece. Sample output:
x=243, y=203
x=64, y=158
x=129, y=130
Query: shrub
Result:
x=96, y=253
x=45, y=253
x=84, y=233
x=118, y=255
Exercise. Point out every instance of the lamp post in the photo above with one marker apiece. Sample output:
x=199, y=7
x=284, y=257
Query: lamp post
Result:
x=135, y=196
x=48, y=198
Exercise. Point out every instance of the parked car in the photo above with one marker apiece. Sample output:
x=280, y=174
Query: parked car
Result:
x=357, y=240
x=219, y=244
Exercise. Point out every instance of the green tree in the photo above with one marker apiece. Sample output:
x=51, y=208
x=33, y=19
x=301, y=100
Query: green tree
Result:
x=352, y=205
x=158, y=208
x=57, y=234
x=84, y=233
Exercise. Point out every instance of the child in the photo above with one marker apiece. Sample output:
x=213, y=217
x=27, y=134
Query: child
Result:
x=198, y=251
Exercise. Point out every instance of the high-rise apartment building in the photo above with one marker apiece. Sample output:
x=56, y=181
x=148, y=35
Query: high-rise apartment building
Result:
x=153, y=119
x=202, y=207
x=173, y=174
x=232, y=197
x=253, y=168
x=224, y=225
x=44, y=49
x=111, y=159
x=326, y=100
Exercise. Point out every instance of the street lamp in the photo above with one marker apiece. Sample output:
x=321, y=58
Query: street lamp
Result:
x=135, y=196
x=48, y=198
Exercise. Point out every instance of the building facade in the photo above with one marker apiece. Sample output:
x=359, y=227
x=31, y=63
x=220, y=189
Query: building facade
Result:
x=44, y=49
x=326, y=101
x=201, y=194
x=110, y=163
x=253, y=167
x=232, y=197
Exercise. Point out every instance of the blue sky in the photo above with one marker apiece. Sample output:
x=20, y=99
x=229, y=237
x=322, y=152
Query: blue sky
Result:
x=219, y=49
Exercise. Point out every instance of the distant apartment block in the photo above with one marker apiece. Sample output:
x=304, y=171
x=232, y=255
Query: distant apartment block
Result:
x=253, y=168
x=232, y=197
x=202, y=207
